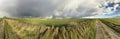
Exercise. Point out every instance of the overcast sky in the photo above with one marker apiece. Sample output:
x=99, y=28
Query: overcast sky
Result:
x=60, y=8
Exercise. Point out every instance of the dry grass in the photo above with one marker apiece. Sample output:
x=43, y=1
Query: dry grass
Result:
x=84, y=29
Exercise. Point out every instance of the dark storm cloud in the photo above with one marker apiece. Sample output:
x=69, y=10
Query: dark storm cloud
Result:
x=32, y=8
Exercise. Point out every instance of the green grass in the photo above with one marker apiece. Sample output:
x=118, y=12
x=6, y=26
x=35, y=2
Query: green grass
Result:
x=0, y=19
x=57, y=29
x=50, y=22
x=36, y=28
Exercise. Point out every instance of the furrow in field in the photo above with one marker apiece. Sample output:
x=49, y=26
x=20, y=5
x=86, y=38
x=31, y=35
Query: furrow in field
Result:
x=105, y=32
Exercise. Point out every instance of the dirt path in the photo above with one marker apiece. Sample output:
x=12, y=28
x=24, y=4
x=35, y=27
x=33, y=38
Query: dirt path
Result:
x=104, y=32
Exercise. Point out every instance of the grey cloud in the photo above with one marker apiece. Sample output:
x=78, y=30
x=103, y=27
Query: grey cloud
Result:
x=34, y=8
x=54, y=8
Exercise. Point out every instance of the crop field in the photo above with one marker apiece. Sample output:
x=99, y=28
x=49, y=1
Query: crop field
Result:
x=112, y=23
x=36, y=28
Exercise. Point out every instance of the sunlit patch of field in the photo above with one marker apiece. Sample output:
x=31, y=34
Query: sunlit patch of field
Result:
x=49, y=21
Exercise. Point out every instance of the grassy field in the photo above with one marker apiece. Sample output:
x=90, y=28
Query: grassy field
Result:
x=49, y=21
x=113, y=23
x=1, y=29
x=36, y=28
x=0, y=19
x=50, y=29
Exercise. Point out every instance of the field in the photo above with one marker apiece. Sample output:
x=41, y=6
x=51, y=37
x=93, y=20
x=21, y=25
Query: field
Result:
x=112, y=23
x=36, y=28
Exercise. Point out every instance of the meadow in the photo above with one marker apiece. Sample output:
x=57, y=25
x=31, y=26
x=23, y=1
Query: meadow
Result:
x=36, y=28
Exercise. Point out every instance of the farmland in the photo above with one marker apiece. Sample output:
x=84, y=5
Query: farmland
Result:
x=1, y=29
x=36, y=28
x=112, y=23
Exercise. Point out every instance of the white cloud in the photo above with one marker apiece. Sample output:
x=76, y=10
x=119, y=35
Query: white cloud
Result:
x=3, y=14
x=80, y=8
x=6, y=4
x=116, y=6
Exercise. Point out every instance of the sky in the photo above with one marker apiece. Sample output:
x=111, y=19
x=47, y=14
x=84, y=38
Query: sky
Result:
x=60, y=8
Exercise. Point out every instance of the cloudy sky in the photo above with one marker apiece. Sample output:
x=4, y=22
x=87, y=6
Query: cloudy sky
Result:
x=60, y=8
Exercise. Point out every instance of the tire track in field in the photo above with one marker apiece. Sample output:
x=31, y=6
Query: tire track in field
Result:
x=105, y=32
